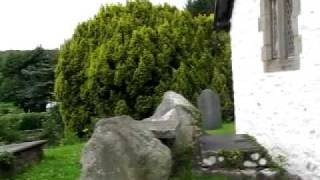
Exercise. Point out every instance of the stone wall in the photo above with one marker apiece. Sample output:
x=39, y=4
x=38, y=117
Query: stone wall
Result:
x=280, y=109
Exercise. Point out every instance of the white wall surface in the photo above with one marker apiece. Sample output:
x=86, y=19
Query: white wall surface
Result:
x=282, y=109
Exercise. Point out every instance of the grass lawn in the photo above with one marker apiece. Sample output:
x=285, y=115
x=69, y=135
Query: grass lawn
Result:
x=227, y=128
x=59, y=163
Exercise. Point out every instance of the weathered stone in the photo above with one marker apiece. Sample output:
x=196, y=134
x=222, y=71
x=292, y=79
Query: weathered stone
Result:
x=210, y=161
x=269, y=172
x=220, y=159
x=209, y=105
x=255, y=156
x=249, y=172
x=17, y=148
x=122, y=149
x=213, y=144
x=175, y=108
x=169, y=102
x=249, y=164
x=25, y=155
x=162, y=129
x=263, y=162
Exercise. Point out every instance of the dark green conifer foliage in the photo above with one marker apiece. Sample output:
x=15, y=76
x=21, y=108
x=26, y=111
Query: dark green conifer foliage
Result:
x=125, y=58
x=27, y=78
x=197, y=7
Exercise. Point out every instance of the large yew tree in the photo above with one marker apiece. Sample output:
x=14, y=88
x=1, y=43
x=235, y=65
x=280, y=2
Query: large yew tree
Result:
x=123, y=59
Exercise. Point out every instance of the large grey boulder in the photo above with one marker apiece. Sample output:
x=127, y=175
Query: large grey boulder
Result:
x=174, y=108
x=122, y=149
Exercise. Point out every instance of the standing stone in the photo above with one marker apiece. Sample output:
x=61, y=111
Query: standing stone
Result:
x=209, y=105
x=175, y=108
x=121, y=149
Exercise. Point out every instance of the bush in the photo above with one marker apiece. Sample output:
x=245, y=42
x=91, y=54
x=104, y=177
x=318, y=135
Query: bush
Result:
x=126, y=57
x=7, y=161
x=53, y=126
x=9, y=130
x=25, y=121
x=12, y=125
x=32, y=121
x=9, y=108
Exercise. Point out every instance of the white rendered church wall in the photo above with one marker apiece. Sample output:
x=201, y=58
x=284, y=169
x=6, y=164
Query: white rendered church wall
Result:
x=281, y=109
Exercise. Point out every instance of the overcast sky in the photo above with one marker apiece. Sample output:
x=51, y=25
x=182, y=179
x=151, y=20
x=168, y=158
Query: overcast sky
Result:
x=25, y=24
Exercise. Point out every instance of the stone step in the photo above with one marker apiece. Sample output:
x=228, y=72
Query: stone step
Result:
x=216, y=143
x=231, y=151
x=237, y=157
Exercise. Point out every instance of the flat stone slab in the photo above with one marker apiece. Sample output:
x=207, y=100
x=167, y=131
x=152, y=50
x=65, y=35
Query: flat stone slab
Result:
x=15, y=148
x=162, y=129
x=216, y=143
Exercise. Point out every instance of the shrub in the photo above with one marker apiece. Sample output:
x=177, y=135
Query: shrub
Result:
x=25, y=121
x=9, y=108
x=9, y=130
x=31, y=121
x=6, y=161
x=53, y=126
x=126, y=57
x=12, y=125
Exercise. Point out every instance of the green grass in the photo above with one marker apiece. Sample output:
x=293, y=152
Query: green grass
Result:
x=59, y=163
x=227, y=128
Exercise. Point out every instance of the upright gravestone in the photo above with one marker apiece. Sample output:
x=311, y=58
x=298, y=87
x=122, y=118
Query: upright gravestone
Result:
x=209, y=105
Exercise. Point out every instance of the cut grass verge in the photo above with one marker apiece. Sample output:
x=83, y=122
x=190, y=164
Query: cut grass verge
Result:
x=59, y=163
x=227, y=128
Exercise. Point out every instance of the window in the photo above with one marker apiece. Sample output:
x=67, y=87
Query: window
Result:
x=282, y=43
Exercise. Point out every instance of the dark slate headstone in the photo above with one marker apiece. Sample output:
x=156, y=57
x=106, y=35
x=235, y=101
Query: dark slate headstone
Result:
x=209, y=105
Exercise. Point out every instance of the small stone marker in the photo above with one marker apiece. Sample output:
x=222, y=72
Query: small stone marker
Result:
x=209, y=105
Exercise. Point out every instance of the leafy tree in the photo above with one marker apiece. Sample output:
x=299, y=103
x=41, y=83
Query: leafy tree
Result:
x=125, y=58
x=27, y=78
x=201, y=7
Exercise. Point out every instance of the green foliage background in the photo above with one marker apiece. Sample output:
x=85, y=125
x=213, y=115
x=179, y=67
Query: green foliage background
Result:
x=27, y=78
x=125, y=58
x=197, y=7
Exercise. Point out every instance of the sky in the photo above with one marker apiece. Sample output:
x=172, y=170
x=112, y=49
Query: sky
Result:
x=26, y=24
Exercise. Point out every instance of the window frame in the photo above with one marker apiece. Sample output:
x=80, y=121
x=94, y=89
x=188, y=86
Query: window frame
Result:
x=283, y=62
